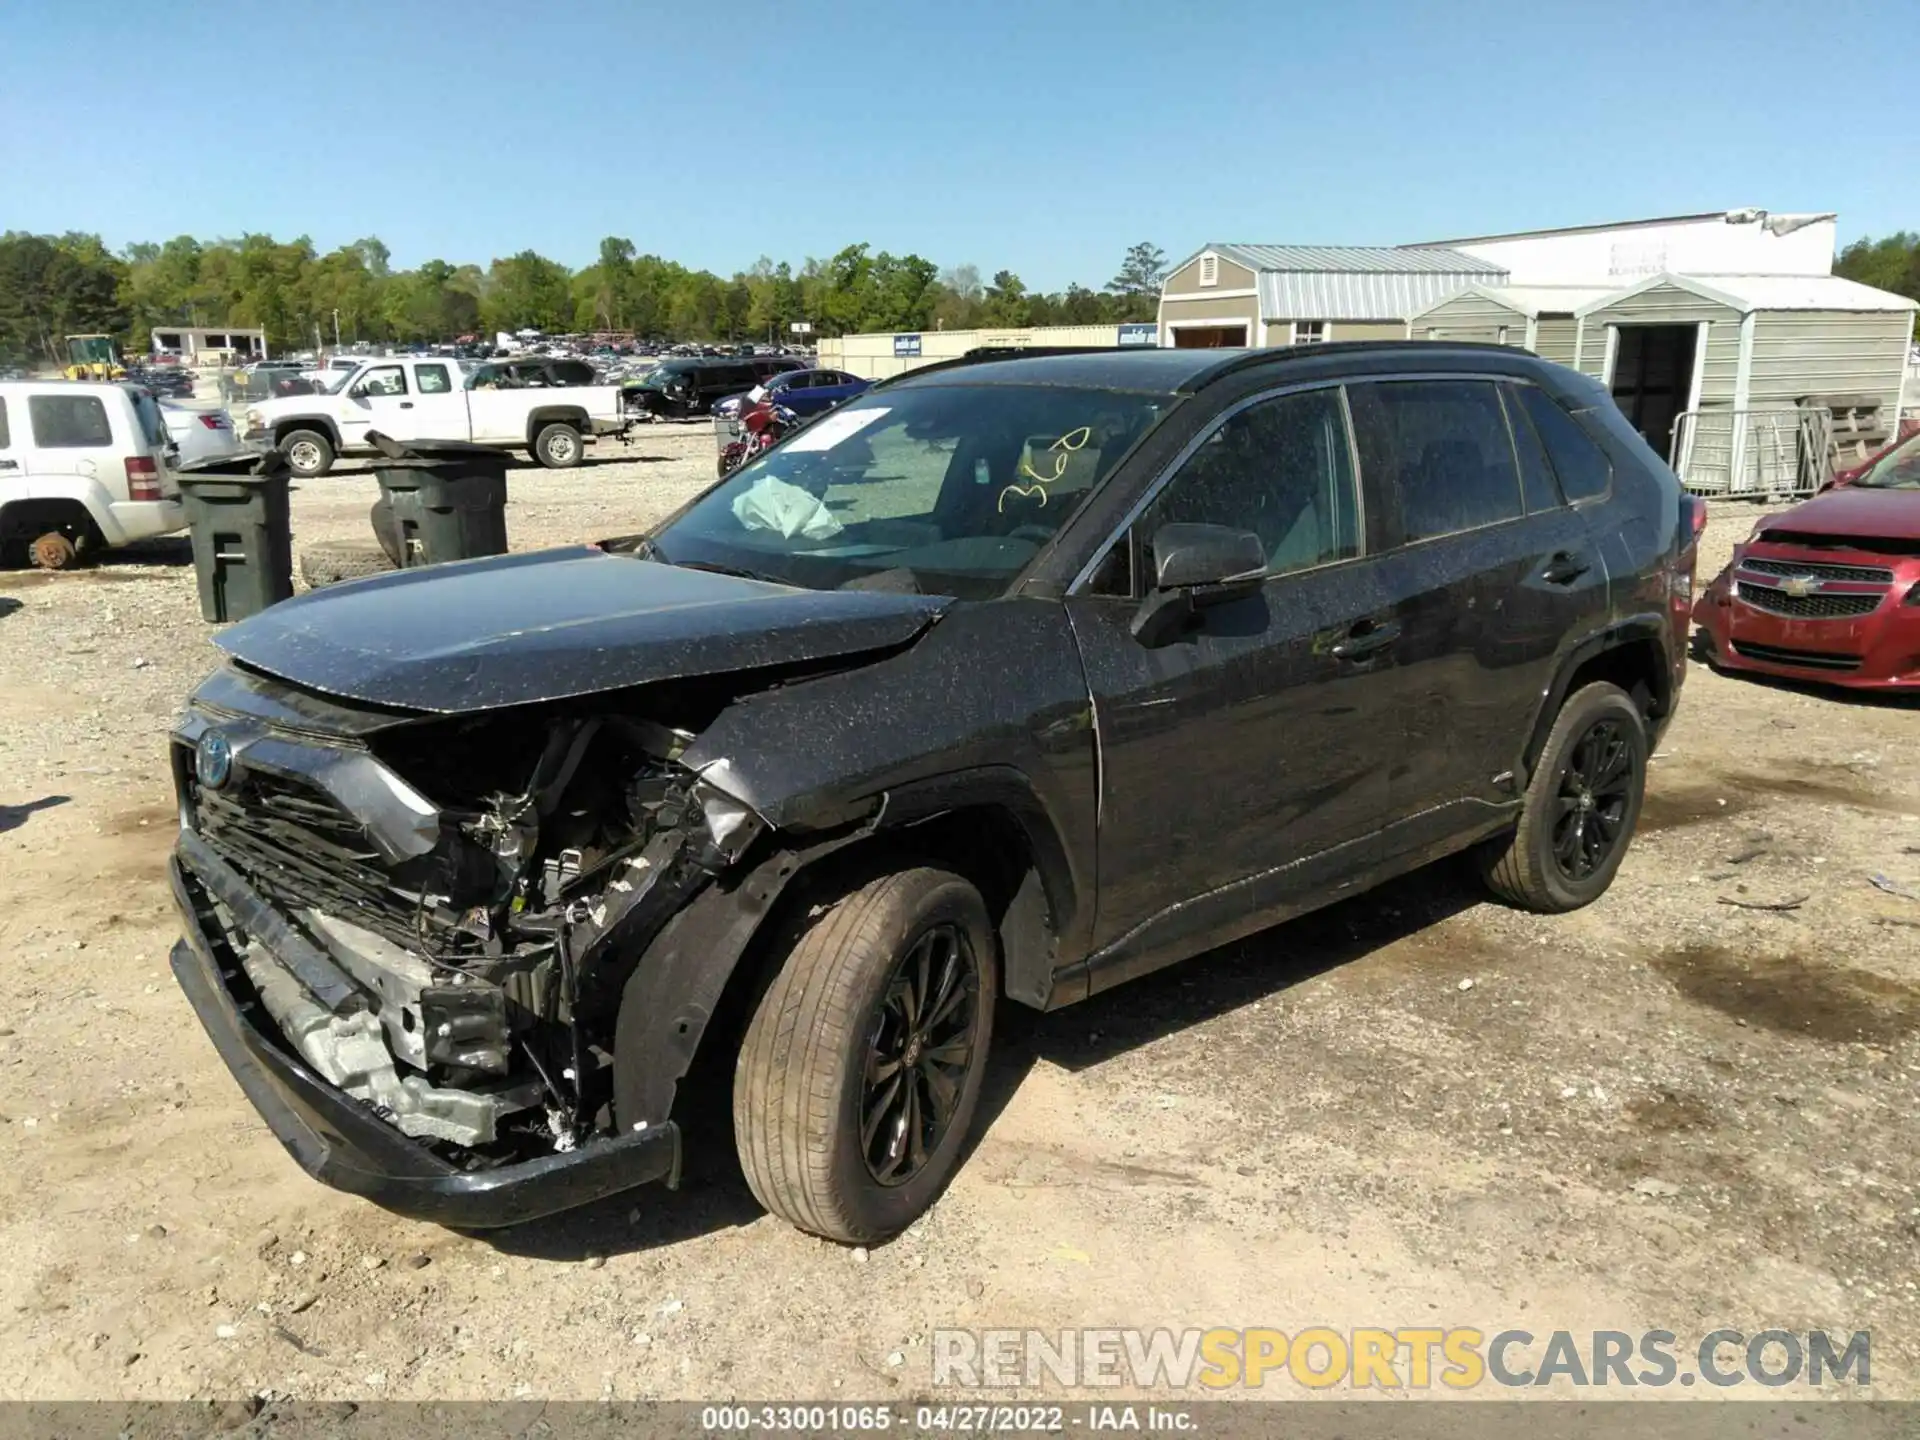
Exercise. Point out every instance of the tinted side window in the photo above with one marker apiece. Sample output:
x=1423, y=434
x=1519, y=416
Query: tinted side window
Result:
x=6, y=437
x=1280, y=468
x=1582, y=466
x=69, y=422
x=1536, y=474
x=1443, y=445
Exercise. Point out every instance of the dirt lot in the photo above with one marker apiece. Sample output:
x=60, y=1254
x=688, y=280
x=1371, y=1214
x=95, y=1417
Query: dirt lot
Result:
x=1665, y=1111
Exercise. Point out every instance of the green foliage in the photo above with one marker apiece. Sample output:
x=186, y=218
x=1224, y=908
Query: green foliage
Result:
x=51, y=286
x=1890, y=263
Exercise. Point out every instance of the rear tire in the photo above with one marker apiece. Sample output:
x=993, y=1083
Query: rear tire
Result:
x=322, y=565
x=1581, y=806
x=899, y=973
x=558, y=446
x=309, y=453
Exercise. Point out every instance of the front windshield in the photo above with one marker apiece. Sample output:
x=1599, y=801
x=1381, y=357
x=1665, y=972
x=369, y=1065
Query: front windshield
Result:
x=1898, y=469
x=658, y=377
x=945, y=489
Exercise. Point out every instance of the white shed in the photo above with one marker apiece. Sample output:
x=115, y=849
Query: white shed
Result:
x=1538, y=317
x=1751, y=382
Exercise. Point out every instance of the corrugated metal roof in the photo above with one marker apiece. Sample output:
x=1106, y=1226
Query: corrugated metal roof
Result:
x=1355, y=295
x=1747, y=293
x=1359, y=259
x=1803, y=292
x=1536, y=300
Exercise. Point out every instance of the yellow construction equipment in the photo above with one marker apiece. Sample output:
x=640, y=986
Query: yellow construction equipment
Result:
x=93, y=357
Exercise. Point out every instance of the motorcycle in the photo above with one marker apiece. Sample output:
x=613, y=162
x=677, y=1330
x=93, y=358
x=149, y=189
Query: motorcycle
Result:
x=761, y=428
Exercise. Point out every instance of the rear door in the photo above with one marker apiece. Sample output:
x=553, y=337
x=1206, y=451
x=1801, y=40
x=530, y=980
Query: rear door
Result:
x=1244, y=764
x=71, y=432
x=437, y=408
x=1484, y=575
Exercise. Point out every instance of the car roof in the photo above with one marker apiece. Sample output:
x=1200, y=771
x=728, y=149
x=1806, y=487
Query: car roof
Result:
x=1169, y=371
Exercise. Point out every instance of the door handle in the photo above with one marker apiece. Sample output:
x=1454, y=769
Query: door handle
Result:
x=406, y=404
x=1367, y=637
x=1565, y=567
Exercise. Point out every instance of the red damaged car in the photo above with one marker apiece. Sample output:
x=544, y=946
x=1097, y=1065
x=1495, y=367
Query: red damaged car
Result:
x=1829, y=590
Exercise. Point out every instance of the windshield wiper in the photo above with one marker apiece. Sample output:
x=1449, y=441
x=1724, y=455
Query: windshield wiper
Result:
x=715, y=569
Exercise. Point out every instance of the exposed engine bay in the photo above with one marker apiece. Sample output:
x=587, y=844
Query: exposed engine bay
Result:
x=456, y=904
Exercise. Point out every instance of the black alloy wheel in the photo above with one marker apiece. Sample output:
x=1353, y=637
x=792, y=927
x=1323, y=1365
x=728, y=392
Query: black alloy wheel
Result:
x=919, y=1053
x=1580, y=808
x=1590, y=808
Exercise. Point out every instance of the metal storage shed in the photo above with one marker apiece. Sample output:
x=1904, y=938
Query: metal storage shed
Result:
x=1751, y=383
x=1539, y=317
x=1303, y=294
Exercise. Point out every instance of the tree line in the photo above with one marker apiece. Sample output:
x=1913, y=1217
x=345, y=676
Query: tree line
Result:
x=1890, y=263
x=55, y=285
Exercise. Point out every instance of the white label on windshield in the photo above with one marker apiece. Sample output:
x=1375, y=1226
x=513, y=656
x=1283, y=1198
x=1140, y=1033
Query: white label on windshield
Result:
x=829, y=430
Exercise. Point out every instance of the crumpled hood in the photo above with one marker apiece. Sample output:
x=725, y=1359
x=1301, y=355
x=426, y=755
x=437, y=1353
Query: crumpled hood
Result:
x=1858, y=511
x=486, y=634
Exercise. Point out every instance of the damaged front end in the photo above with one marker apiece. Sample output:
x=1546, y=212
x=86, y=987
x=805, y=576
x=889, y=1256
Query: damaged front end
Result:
x=427, y=924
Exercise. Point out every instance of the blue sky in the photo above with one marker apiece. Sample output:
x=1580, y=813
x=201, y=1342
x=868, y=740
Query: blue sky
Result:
x=1039, y=136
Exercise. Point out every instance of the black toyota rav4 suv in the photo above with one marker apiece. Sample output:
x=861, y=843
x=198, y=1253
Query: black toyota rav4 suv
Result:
x=1014, y=678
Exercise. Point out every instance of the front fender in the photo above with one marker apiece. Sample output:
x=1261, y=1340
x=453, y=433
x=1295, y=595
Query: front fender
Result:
x=994, y=691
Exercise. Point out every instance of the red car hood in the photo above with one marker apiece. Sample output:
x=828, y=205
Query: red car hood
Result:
x=1857, y=511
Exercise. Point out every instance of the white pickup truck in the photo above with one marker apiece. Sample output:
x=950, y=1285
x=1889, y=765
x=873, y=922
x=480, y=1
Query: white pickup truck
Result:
x=432, y=398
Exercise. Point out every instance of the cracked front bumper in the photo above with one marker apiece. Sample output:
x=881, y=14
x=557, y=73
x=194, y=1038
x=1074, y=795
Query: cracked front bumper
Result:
x=341, y=1143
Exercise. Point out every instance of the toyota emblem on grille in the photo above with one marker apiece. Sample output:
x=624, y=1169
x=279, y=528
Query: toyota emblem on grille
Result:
x=213, y=760
x=1800, y=586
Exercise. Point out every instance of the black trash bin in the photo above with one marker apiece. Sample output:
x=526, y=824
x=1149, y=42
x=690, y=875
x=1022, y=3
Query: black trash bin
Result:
x=242, y=538
x=444, y=500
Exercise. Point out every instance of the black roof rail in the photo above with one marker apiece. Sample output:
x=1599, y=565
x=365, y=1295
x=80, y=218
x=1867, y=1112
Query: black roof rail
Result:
x=1247, y=359
x=1233, y=362
x=982, y=354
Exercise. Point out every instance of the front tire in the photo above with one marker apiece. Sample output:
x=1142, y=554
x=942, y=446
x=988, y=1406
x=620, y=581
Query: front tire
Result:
x=1580, y=809
x=857, y=1083
x=309, y=453
x=557, y=446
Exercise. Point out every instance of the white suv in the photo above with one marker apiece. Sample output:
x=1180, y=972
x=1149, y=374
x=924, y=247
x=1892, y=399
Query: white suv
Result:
x=82, y=466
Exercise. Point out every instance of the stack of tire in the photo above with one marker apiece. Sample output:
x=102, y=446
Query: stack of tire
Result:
x=326, y=564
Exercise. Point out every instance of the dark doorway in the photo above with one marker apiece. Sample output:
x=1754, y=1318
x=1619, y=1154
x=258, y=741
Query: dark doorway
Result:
x=1653, y=378
x=1209, y=337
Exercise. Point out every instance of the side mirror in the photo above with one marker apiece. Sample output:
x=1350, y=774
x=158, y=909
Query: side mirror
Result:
x=1193, y=557
x=1195, y=567
x=356, y=392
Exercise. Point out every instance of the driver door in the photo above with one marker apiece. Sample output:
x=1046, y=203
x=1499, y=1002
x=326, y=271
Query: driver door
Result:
x=1244, y=763
x=375, y=403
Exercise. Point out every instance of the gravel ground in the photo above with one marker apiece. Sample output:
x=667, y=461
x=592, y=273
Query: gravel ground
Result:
x=1415, y=1108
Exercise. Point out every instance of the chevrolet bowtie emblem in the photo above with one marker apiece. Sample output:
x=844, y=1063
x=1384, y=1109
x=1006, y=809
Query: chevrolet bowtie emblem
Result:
x=1800, y=586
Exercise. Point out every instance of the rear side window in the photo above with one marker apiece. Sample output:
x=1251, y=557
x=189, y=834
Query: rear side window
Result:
x=153, y=425
x=1536, y=474
x=1582, y=466
x=432, y=380
x=1443, y=446
x=69, y=422
x=6, y=436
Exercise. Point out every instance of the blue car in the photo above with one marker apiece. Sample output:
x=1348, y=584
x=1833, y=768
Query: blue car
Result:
x=805, y=392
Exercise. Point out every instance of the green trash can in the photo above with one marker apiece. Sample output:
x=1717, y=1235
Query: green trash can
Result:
x=445, y=500
x=237, y=513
